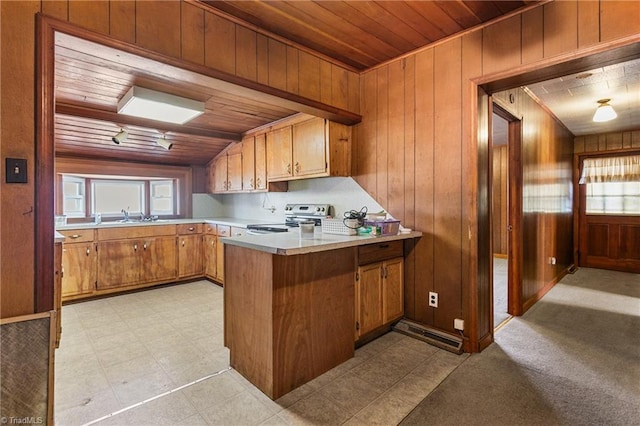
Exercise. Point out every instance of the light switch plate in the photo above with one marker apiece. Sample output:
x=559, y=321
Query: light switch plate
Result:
x=16, y=170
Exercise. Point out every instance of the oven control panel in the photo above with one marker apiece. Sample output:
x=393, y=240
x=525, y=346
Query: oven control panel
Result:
x=308, y=210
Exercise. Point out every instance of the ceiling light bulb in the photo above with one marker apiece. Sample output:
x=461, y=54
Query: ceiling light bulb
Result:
x=604, y=112
x=120, y=137
x=163, y=142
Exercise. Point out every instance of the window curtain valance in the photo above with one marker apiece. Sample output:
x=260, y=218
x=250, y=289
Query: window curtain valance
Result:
x=611, y=169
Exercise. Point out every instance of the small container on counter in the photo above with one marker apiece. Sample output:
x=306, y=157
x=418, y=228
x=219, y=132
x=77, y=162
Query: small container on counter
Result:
x=307, y=230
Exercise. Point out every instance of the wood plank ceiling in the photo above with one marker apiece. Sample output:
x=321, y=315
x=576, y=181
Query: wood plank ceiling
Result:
x=360, y=34
x=363, y=34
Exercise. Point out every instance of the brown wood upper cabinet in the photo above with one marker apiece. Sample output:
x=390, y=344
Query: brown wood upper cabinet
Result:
x=315, y=147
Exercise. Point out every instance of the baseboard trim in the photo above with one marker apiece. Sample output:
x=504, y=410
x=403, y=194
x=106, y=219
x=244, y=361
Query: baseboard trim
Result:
x=544, y=290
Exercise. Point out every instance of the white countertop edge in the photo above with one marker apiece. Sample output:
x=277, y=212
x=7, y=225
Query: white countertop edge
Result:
x=290, y=243
x=227, y=221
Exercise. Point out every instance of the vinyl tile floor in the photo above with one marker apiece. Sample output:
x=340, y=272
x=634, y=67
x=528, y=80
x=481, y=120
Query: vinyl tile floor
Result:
x=156, y=357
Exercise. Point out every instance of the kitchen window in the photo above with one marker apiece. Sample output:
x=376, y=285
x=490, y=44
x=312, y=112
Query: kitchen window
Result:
x=86, y=196
x=74, y=196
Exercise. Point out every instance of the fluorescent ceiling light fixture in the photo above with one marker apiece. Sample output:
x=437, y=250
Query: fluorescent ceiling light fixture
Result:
x=604, y=112
x=147, y=103
x=163, y=142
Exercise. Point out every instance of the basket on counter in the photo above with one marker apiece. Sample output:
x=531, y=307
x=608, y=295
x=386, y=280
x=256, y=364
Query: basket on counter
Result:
x=340, y=226
x=386, y=227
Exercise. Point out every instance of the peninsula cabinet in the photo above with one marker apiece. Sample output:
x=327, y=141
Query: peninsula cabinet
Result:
x=288, y=319
x=79, y=261
x=379, y=287
x=190, y=256
x=314, y=147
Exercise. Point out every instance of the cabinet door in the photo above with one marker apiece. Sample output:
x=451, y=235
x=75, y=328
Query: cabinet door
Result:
x=119, y=263
x=261, y=162
x=159, y=259
x=309, y=148
x=189, y=255
x=279, y=154
x=78, y=269
x=248, y=164
x=393, y=287
x=220, y=174
x=369, y=297
x=219, y=261
x=234, y=170
x=210, y=256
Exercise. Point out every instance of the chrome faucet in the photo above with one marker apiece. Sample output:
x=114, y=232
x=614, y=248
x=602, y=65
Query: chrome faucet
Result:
x=126, y=214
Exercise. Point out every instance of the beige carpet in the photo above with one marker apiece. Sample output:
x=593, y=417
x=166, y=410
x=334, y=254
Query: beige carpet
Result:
x=572, y=359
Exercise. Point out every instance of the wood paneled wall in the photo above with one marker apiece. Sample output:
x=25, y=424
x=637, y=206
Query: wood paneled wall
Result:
x=181, y=29
x=613, y=141
x=416, y=149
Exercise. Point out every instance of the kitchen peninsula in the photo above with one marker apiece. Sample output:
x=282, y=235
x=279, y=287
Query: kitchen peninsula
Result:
x=293, y=306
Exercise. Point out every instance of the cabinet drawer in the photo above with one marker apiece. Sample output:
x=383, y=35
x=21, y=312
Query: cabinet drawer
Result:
x=238, y=232
x=210, y=229
x=370, y=253
x=77, y=235
x=189, y=228
x=224, y=231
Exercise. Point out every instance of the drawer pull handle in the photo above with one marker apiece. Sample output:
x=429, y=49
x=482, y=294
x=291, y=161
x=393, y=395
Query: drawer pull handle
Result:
x=384, y=246
x=74, y=236
x=191, y=229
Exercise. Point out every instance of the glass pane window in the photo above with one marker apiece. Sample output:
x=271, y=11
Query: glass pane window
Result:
x=161, y=200
x=110, y=197
x=73, y=196
x=614, y=198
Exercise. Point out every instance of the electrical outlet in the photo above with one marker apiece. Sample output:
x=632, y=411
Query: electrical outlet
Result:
x=458, y=324
x=552, y=261
x=433, y=299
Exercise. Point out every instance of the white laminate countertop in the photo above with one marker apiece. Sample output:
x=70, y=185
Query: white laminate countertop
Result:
x=290, y=243
x=227, y=221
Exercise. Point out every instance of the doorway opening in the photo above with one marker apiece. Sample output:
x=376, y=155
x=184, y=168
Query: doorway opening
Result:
x=506, y=216
x=500, y=216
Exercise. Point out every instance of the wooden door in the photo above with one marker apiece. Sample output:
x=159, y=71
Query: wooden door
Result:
x=261, y=162
x=190, y=255
x=119, y=263
x=369, y=289
x=393, y=287
x=78, y=269
x=159, y=259
x=279, y=154
x=248, y=164
x=608, y=241
x=309, y=148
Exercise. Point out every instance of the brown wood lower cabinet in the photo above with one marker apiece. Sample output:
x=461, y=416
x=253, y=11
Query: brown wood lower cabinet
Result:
x=135, y=261
x=190, y=256
x=379, y=287
x=79, y=264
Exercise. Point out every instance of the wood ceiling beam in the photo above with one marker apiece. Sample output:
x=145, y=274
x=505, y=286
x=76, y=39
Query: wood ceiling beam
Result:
x=123, y=120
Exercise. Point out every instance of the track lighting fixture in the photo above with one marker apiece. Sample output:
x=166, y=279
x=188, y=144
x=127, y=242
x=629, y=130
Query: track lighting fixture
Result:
x=120, y=137
x=163, y=142
x=604, y=112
